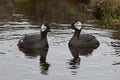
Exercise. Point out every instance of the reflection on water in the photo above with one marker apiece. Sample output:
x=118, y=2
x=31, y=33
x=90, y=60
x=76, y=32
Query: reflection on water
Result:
x=118, y=63
x=2, y=53
x=80, y=51
x=76, y=52
x=116, y=34
x=116, y=46
x=96, y=62
x=74, y=65
x=44, y=66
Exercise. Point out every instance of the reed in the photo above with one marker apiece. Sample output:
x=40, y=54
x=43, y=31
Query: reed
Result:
x=110, y=12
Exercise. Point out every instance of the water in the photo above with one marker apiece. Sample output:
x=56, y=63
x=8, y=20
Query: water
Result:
x=102, y=63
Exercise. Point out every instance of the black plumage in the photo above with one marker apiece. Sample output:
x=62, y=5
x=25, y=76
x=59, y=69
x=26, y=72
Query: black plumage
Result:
x=36, y=41
x=82, y=40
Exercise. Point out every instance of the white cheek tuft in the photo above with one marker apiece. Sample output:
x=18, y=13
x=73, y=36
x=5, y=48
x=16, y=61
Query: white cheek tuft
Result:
x=43, y=28
x=78, y=25
x=21, y=40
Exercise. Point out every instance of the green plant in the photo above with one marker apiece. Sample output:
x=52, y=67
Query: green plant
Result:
x=110, y=12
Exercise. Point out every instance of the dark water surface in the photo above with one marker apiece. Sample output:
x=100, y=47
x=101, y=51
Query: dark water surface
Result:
x=102, y=63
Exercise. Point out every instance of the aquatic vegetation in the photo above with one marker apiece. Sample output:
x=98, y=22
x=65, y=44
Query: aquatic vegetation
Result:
x=108, y=12
x=6, y=8
x=54, y=10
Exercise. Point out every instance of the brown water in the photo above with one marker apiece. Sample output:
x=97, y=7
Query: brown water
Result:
x=102, y=63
